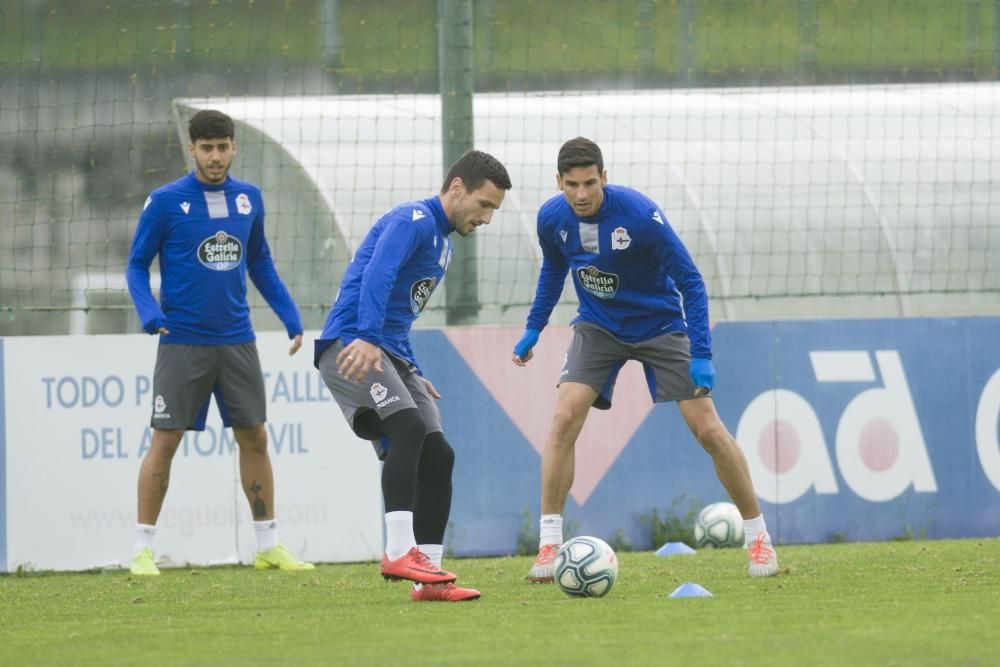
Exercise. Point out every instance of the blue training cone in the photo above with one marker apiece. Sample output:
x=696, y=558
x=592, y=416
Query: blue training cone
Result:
x=690, y=589
x=674, y=549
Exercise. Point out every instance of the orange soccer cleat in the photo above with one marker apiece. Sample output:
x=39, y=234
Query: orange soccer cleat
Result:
x=414, y=565
x=443, y=593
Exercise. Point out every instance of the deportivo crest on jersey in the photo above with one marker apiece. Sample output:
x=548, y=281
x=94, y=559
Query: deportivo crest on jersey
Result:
x=620, y=239
x=220, y=252
x=600, y=284
x=420, y=292
x=243, y=205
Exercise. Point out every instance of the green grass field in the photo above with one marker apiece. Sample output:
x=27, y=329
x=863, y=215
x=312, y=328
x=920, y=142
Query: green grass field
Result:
x=893, y=603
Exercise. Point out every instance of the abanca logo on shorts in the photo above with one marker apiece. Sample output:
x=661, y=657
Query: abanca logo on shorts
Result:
x=159, y=406
x=378, y=392
x=220, y=252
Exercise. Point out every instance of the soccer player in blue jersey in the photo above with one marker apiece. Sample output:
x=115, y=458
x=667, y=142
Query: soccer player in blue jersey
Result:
x=641, y=297
x=208, y=230
x=365, y=358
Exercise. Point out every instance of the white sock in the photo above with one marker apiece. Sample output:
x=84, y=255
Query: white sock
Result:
x=398, y=534
x=144, y=534
x=267, y=534
x=550, y=530
x=752, y=528
x=433, y=551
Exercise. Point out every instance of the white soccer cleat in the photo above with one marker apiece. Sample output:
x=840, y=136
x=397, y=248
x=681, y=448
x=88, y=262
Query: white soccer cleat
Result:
x=763, y=561
x=543, y=570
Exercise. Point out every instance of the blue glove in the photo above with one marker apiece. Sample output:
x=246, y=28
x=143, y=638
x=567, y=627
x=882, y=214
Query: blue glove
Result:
x=527, y=342
x=702, y=373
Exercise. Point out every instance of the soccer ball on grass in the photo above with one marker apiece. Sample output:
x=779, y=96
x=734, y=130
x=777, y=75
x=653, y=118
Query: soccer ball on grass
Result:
x=586, y=567
x=718, y=525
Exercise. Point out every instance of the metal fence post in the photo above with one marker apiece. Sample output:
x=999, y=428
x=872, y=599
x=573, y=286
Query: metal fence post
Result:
x=456, y=80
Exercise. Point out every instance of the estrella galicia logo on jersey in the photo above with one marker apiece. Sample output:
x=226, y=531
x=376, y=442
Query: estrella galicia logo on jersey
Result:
x=420, y=292
x=620, y=240
x=220, y=252
x=243, y=206
x=600, y=284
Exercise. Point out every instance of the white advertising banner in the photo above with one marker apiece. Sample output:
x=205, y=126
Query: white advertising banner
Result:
x=75, y=426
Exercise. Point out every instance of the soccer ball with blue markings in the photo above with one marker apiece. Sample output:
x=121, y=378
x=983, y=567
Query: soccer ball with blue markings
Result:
x=718, y=525
x=586, y=567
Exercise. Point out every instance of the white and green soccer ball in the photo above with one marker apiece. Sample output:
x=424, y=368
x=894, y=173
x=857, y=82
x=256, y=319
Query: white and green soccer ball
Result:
x=586, y=567
x=718, y=525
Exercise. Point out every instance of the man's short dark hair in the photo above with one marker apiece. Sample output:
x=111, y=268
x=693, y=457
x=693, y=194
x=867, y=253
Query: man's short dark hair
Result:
x=211, y=124
x=475, y=167
x=579, y=152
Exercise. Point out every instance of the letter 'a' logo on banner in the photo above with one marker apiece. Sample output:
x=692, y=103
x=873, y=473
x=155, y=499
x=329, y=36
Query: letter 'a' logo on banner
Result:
x=880, y=446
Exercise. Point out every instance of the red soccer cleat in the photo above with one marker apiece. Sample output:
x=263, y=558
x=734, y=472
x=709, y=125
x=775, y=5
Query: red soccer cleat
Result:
x=414, y=565
x=443, y=593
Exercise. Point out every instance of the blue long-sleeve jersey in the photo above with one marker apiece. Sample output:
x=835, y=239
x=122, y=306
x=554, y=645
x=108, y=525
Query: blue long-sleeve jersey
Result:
x=392, y=275
x=629, y=270
x=208, y=237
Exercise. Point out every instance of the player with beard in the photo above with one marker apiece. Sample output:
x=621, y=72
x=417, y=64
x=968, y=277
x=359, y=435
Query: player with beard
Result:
x=365, y=358
x=208, y=230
